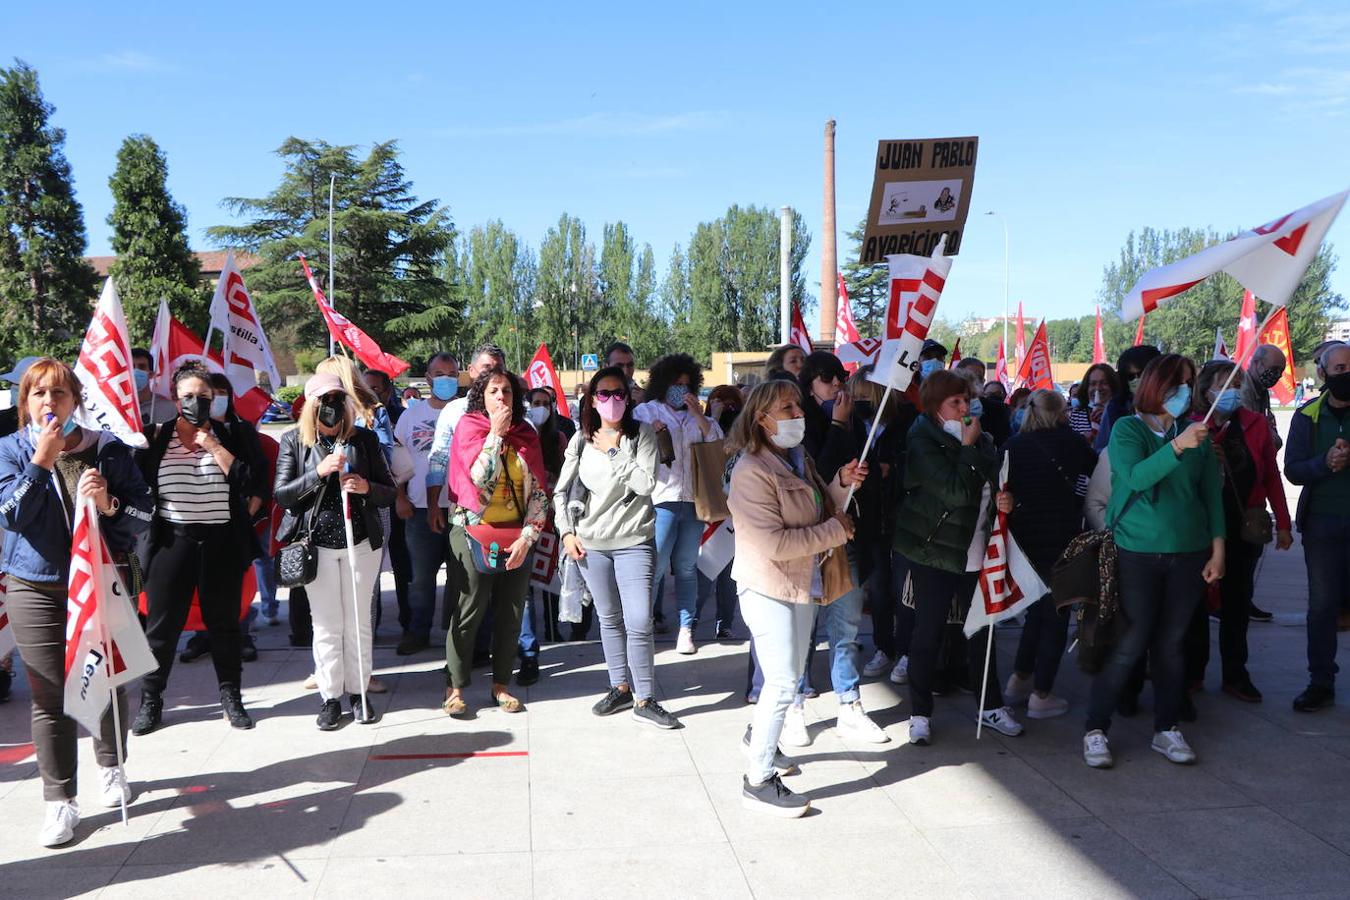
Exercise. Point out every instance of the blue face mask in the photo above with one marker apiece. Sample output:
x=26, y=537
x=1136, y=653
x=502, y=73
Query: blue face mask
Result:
x=1228, y=401
x=1018, y=417
x=1075, y=402
x=67, y=428
x=675, y=395
x=976, y=407
x=1179, y=401
x=444, y=387
x=141, y=377
x=219, y=406
x=929, y=366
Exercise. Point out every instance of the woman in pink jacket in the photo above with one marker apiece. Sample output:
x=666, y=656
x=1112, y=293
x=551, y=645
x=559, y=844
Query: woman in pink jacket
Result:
x=786, y=521
x=1251, y=481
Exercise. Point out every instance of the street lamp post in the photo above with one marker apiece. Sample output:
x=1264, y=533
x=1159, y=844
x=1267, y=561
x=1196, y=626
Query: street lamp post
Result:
x=1004, y=220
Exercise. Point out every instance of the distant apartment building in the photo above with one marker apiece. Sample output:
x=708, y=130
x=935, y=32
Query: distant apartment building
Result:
x=1339, y=331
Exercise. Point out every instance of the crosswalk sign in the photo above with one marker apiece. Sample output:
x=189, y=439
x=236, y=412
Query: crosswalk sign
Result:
x=590, y=362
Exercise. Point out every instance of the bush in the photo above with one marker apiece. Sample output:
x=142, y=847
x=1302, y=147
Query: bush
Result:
x=288, y=393
x=306, y=360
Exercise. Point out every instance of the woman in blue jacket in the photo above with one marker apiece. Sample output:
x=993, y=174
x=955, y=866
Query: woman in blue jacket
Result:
x=44, y=467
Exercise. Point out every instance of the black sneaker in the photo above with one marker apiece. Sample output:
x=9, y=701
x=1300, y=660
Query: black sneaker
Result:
x=529, y=671
x=150, y=714
x=1243, y=690
x=411, y=644
x=330, y=714
x=364, y=714
x=197, y=646
x=5, y=679
x=233, y=706
x=248, y=651
x=1314, y=698
x=723, y=633
x=652, y=713
x=774, y=798
x=1257, y=614
x=613, y=702
x=781, y=763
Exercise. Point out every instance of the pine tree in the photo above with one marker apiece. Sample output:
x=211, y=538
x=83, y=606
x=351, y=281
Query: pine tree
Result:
x=150, y=240
x=45, y=285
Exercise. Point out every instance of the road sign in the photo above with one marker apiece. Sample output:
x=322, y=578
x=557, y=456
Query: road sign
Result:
x=590, y=362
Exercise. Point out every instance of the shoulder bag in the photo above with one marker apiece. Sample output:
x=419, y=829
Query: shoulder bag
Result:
x=298, y=562
x=490, y=545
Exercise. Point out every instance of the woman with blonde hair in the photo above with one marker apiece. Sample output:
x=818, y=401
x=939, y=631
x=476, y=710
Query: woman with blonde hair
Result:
x=788, y=521
x=326, y=456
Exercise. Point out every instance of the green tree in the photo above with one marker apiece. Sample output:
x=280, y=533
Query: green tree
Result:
x=495, y=278
x=568, y=305
x=45, y=284
x=649, y=336
x=390, y=249
x=150, y=240
x=676, y=308
x=868, y=288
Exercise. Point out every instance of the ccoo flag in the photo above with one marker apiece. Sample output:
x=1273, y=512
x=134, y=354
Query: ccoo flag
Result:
x=541, y=373
x=1036, y=372
x=351, y=337
x=916, y=286
x=104, y=370
x=234, y=315
x=1008, y=581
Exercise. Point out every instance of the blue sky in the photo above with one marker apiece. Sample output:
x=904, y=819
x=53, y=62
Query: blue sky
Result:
x=1092, y=121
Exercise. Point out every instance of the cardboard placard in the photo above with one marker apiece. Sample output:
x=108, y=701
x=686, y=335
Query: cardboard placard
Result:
x=921, y=191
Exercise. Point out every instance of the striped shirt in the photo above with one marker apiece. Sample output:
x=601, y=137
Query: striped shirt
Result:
x=192, y=488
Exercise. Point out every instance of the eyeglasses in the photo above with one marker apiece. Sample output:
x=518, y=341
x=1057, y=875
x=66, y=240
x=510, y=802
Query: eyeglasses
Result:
x=607, y=394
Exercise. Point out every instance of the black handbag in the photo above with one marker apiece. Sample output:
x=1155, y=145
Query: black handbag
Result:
x=298, y=562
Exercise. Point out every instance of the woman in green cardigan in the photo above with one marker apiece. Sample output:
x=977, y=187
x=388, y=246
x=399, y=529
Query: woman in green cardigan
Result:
x=1169, y=526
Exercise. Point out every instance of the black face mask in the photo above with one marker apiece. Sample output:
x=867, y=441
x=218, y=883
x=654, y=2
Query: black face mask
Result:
x=863, y=409
x=330, y=414
x=196, y=410
x=1269, y=377
x=1339, y=386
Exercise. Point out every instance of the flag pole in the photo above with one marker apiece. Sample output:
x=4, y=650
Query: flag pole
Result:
x=984, y=685
x=871, y=434
x=1232, y=373
x=332, y=182
x=92, y=510
x=356, y=600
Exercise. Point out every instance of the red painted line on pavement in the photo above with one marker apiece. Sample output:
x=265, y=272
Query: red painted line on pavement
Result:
x=476, y=753
x=15, y=753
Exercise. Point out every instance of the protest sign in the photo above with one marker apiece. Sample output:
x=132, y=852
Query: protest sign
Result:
x=920, y=192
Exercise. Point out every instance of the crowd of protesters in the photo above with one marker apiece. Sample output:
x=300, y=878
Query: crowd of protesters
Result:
x=845, y=500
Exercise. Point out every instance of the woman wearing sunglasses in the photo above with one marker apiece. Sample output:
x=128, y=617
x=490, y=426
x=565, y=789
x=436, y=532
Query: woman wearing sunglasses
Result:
x=608, y=525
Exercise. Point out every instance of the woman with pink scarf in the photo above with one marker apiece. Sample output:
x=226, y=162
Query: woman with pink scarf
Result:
x=498, y=484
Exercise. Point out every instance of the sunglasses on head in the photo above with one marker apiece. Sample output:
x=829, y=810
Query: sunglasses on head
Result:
x=607, y=394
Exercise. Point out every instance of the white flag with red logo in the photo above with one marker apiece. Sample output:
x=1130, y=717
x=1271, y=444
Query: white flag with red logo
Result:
x=1001, y=367
x=104, y=370
x=716, y=548
x=1036, y=372
x=916, y=286
x=863, y=352
x=1098, y=341
x=105, y=646
x=174, y=344
x=351, y=337
x=246, y=348
x=1008, y=582
x=1220, y=346
x=798, y=334
x=540, y=373
x=1269, y=260
x=1246, y=334
x=7, y=642
x=847, y=331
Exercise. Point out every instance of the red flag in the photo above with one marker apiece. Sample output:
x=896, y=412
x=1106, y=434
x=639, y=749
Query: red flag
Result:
x=1001, y=368
x=175, y=343
x=1036, y=372
x=1277, y=332
x=847, y=332
x=1098, y=341
x=956, y=354
x=351, y=337
x=1139, y=332
x=799, y=335
x=540, y=373
x=104, y=370
x=1246, y=334
x=1020, y=348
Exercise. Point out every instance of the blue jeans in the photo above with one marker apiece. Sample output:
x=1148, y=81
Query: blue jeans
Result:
x=725, y=589
x=841, y=619
x=678, y=534
x=267, y=585
x=781, y=633
x=1326, y=553
x=529, y=644
x=427, y=551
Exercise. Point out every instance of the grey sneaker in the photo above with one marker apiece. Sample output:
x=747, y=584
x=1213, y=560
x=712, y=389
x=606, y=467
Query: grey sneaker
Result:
x=774, y=798
x=652, y=713
x=1172, y=745
x=1096, y=750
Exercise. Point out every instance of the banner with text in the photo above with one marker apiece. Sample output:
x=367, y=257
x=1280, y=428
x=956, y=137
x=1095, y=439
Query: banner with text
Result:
x=920, y=194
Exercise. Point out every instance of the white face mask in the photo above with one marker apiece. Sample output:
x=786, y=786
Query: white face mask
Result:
x=790, y=433
x=537, y=415
x=953, y=427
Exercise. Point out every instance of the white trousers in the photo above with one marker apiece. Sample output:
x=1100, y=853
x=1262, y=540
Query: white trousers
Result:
x=338, y=621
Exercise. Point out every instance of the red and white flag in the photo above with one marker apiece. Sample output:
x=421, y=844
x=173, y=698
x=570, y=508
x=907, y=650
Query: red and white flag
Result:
x=1036, y=372
x=1277, y=332
x=1098, y=341
x=1020, y=348
x=1220, y=347
x=847, y=331
x=956, y=354
x=798, y=334
x=234, y=315
x=105, y=646
x=1246, y=333
x=1139, y=332
x=1268, y=260
x=915, y=289
x=351, y=337
x=540, y=373
x=174, y=344
x=104, y=370
x=1001, y=367
x=7, y=642
x=862, y=352
x=716, y=548
x=1008, y=581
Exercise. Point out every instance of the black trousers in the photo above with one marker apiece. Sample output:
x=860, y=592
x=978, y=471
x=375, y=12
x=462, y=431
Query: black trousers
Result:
x=1041, y=648
x=1235, y=591
x=400, y=561
x=203, y=558
x=933, y=593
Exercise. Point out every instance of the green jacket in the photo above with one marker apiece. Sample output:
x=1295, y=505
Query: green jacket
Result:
x=943, y=483
x=1180, y=508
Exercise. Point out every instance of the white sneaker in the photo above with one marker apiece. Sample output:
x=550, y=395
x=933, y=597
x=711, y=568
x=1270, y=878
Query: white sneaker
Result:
x=1018, y=690
x=1173, y=746
x=854, y=723
x=113, y=787
x=1046, y=707
x=1096, y=750
x=919, y=731
x=877, y=665
x=311, y=683
x=685, y=642
x=794, y=728
x=1002, y=721
x=900, y=674
x=59, y=825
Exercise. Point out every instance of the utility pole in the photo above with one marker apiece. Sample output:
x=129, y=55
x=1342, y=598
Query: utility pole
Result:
x=829, y=248
x=785, y=274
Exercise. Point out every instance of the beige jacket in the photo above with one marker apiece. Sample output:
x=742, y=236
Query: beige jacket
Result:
x=779, y=528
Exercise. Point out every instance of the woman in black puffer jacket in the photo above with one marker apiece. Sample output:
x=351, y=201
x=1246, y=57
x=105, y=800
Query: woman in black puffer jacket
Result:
x=1048, y=466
